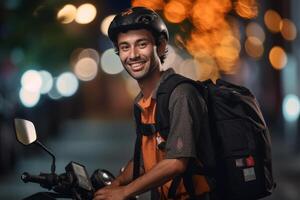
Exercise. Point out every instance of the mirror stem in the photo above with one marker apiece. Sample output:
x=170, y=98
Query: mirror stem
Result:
x=48, y=151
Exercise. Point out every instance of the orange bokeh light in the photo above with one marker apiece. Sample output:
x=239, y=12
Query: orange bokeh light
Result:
x=226, y=57
x=153, y=4
x=207, y=15
x=202, y=44
x=288, y=29
x=246, y=8
x=254, y=47
x=272, y=20
x=176, y=11
x=278, y=57
x=207, y=70
x=253, y=29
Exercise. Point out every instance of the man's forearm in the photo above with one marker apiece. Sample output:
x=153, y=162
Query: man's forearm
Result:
x=126, y=176
x=159, y=174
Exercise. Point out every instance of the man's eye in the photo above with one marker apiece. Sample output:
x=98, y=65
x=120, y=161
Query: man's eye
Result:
x=142, y=44
x=124, y=48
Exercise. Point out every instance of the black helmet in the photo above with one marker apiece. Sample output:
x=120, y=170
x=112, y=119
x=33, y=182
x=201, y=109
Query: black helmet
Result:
x=137, y=18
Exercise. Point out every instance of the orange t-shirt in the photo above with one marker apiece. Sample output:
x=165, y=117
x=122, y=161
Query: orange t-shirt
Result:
x=152, y=154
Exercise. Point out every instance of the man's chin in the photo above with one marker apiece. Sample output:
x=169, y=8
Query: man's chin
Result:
x=138, y=77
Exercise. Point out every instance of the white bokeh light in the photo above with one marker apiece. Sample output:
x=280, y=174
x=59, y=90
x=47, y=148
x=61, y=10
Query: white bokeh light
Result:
x=53, y=93
x=67, y=14
x=86, y=13
x=291, y=107
x=47, y=81
x=110, y=62
x=89, y=53
x=67, y=84
x=29, y=99
x=31, y=81
x=105, y=24
x=86, y=69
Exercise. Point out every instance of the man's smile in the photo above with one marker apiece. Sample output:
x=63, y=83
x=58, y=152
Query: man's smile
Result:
x=136, y=66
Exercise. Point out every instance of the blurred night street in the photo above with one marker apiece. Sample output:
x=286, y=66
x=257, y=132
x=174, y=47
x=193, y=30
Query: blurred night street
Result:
x=59, y=70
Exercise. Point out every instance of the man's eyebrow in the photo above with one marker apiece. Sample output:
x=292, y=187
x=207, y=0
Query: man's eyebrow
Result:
x=142, y=40
x=121, y=43
x=139, y=40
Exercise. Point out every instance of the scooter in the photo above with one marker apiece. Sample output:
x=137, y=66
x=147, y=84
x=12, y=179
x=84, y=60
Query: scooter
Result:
x=73, y=184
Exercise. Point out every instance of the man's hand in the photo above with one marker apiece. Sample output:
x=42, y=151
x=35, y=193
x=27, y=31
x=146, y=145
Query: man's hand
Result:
x=110, y=193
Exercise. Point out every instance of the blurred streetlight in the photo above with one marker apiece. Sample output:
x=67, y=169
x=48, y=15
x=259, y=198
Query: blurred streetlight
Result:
x=67, y=14
x=86, y=13
x=277, y=57
x=29, y=99
x=110, y=62
x=105, y=24
x=67, y=84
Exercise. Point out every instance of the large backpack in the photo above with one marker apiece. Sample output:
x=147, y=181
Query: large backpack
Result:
x=237, y=153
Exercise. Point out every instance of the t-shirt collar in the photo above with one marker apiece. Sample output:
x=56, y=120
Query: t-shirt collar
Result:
x=164, y=76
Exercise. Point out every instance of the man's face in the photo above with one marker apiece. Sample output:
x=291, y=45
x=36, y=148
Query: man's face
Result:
x=138, y=53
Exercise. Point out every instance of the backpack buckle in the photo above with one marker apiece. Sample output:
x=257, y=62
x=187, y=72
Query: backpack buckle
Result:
x=148, y=129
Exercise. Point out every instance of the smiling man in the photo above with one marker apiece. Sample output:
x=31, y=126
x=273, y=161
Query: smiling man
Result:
x=140, y=37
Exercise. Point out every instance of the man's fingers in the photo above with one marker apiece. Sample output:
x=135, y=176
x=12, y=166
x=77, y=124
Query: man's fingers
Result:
x=100, y=192
x=99, y=197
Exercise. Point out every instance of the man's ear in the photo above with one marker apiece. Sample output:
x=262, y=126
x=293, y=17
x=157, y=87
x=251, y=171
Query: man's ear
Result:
x=162, y=47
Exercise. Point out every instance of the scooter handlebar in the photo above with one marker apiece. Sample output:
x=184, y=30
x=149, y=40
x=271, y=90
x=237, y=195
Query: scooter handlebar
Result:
x=26, y=177
x=45, y=180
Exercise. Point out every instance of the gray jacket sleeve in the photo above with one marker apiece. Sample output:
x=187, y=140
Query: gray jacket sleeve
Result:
x=186, y=108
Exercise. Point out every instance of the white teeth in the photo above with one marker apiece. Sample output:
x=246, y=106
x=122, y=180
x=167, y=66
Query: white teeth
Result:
x=136, y=65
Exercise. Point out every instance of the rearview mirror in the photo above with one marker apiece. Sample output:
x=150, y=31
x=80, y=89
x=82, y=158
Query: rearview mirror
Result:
x=25, y=131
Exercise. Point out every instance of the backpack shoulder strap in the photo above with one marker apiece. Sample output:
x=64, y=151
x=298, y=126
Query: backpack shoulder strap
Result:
x=138, y=143
x=163, y=96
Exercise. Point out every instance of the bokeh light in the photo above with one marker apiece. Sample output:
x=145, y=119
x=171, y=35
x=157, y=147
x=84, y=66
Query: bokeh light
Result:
x=86, y=69
x=86, y=13
x=202, y=44
x=212, y=14
x=75, y=55
x=246, y=8
x=47, y=81
x=29, y=99
x=254, y=47
x=54, y=93
x=89, y=53
x=277, y=57
x=288, y=29
x=175, y=11
x=226, y=57
x=67, y=84
x=207, y=70
x=272, y=20
x=67, y=14
x=110, y=62
x=253, y=29
x=105, y=24
x=291, y=107
x=153, y=4
x=31, y=81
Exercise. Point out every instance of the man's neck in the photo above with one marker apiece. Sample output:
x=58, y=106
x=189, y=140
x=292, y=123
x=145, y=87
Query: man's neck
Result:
x=148, y=85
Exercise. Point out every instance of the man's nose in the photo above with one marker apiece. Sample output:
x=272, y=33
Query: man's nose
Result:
x=134, y=53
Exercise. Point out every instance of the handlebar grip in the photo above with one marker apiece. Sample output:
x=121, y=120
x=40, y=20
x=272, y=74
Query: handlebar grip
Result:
x=26, y=177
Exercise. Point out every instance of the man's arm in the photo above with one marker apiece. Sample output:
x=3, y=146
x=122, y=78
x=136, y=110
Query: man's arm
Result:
x=126, y=175
x=164, y=171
